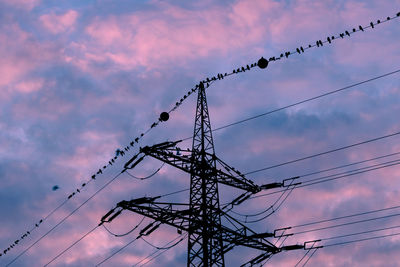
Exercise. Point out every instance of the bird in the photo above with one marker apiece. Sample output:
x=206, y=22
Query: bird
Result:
x=301, y=48
x=329, y=40
x=361, y=28
x=341, y=35
x=56, y=187
x=298, y=50
x=372, y=24
x=347, y=33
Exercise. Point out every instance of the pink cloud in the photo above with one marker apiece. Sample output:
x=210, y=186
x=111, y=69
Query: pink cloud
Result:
x=24, y=4
x=175, y=34
x=29, y=86
x=59, y=23
x=21, y=53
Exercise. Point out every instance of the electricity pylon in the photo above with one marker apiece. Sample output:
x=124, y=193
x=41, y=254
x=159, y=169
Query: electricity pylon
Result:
x=208, y=238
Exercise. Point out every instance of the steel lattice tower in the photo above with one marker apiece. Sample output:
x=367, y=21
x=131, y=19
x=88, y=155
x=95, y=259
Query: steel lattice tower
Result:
x=204, y=249
x=208, y=239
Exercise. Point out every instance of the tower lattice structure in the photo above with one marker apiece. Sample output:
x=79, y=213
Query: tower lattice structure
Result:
x=208, y=238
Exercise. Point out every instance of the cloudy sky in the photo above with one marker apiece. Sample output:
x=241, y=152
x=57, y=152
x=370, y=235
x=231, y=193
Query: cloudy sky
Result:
x=83, y=78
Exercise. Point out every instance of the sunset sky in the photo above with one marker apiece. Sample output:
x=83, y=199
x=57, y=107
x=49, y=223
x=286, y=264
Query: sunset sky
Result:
x=80, y=79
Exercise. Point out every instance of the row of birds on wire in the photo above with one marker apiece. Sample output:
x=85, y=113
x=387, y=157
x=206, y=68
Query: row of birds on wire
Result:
x=262, y=63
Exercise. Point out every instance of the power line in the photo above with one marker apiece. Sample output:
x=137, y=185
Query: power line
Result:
x=301, y=102
x=324, y=153
x=315, y=250
x=162, y=252
x=305, y=184
x=64, y=219
x=73, y=244
x=345, y=217
x=345, y=224
x=363, y=232
x=354, y=171
x=307, y=100
x=127, y=233
x=148, y=176
x=155, y=252
x=116, y=252
x=360, y=240
x=350, y=164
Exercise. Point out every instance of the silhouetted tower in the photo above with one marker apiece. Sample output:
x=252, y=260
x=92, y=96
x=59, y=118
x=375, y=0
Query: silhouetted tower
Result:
x=208, y=239
x=206, y=248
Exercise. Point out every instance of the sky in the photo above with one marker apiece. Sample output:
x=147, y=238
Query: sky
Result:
x=81, y=79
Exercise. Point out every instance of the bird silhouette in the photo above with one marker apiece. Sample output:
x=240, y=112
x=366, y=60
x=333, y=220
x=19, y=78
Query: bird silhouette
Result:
x=347, y=33
x=329, y=40
x=361, y=28
x=56, y=187
x=372, y=24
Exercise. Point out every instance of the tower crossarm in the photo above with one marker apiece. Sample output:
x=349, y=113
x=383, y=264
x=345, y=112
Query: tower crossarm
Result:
x=182, y=159
x=169, y=213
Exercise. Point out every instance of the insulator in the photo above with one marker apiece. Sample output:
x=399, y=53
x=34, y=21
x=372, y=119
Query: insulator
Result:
x=152, y=229
x=242, y=200
x=271, y=185
x=130, y=161
x=137, y=162
x=145, y=229
x=142, y=200
x=292, y=247
x=262, y=235
x=115, y=215
x=107, y=214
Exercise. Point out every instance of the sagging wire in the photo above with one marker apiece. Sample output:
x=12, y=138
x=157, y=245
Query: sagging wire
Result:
x=272, y=210
x=127, y=233
x=165, y=247
x=146, y=177
x=157, y=251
